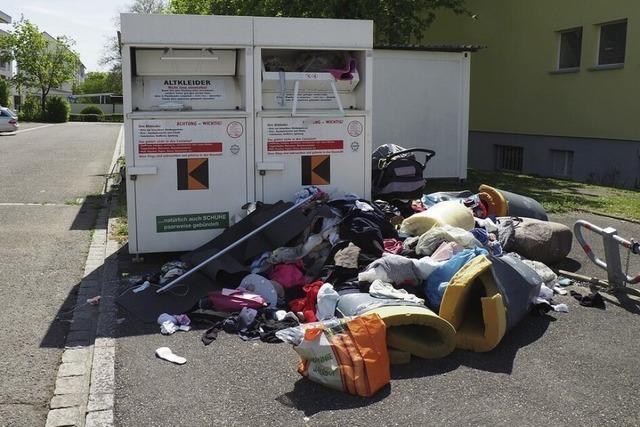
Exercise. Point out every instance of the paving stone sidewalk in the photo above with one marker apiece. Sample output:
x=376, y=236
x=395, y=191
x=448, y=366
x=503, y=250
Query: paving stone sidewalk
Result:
x=84, y=389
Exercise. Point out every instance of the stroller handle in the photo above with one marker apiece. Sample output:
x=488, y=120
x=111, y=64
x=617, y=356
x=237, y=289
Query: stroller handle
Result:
x=429, y=155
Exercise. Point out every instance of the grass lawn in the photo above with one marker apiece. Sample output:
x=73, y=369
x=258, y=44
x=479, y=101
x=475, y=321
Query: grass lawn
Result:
x=120, y=230
x=556, y=195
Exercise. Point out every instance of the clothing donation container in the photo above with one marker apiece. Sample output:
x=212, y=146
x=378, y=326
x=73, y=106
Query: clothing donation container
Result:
x=312, y=80
x=223, y=110
x=188, y=106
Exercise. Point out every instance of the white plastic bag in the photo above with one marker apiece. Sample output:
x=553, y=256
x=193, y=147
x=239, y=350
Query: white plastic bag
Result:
x=429, y=241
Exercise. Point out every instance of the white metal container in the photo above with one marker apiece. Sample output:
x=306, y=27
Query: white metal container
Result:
x=311, y=127
x=185, y=62
x=421, y=100
x=207, y=131
x=188, y=104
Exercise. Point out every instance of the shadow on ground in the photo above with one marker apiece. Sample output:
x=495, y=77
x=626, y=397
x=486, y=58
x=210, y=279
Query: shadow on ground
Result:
x=86, y=218
x=56, y=335
x=627, y=299
x=499, y=360
x=312, y=398
x=567, y=264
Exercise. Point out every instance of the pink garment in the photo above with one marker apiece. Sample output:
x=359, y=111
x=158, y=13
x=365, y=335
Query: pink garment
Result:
x=392, y=246
x=446, y=250
x=346, y=73
x=288, y=275
x=230, y=300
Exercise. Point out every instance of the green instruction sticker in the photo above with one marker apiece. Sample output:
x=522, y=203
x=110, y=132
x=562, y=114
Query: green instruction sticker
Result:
x=199, y=221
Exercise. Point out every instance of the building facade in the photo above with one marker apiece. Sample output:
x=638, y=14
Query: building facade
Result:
x=555, y=92
x=66, y=89
x=6, y=70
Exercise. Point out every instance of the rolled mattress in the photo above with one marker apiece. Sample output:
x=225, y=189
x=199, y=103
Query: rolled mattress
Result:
x=473, y=305
x=411, y=328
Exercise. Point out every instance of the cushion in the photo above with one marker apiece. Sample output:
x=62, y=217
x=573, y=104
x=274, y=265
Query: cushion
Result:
x=544, y=241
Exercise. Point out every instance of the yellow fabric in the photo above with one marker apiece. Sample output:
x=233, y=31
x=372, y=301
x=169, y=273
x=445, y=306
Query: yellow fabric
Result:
x=474, y=307
x=449, y=212
x=417, y=330
x=488, y=202
x=499, y=204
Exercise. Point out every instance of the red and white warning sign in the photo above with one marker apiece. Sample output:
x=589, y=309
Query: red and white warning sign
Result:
x=179, y=138
x=304, y=136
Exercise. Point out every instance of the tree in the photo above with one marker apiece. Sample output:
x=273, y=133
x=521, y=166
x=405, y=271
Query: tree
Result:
x=113, y=82
x=111, y=52
x=4, y=93
x=148, y=6
x=396, y=21
x=99, y=82
x=93, y=83
x=42, y=64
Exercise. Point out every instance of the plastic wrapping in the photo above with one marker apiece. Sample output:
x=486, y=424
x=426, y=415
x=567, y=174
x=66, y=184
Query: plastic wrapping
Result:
x=449, y=212
x=432, y=239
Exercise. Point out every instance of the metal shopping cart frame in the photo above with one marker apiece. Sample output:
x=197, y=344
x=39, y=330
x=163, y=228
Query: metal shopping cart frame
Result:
x=617, y=278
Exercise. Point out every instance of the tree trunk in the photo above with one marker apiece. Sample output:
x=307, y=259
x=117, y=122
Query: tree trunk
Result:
x=43, y=104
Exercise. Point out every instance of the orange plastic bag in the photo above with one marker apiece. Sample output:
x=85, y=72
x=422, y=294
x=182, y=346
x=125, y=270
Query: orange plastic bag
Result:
x=351, y=356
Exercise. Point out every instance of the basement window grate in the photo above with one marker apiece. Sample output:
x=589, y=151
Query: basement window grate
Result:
x=508, y=158
x=562, y=163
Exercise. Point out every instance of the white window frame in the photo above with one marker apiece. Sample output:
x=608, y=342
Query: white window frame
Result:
x=599, y=66
x=559, y=51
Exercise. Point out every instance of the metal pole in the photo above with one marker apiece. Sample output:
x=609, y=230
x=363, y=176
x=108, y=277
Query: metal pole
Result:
x=231, y=246
x=610, y=241
x=612, y=257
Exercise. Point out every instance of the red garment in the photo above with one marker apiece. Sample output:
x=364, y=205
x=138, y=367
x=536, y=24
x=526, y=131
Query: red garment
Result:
x=307, y=305
x=393, y=246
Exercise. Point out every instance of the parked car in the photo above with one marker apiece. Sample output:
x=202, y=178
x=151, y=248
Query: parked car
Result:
x=8, y=120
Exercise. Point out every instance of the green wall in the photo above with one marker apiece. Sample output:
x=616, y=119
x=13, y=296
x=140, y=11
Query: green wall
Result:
x=512, y=87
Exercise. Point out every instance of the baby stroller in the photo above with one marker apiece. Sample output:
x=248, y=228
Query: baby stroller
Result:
x=396, y=174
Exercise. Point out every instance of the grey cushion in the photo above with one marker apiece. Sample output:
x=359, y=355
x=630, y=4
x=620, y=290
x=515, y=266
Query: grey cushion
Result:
x=544, y=241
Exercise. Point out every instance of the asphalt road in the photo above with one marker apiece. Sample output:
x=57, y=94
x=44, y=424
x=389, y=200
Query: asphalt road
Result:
x=44, y=238
x=576, y=368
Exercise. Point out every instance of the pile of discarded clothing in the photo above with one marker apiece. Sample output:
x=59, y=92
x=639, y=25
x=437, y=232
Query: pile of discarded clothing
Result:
x=356, y=285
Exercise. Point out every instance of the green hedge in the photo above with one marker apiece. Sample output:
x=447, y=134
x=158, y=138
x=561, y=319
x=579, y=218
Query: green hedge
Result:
x=92, y=109
x=115, y=118
x=30, y=109
x=111, y=118
x=58, y=110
